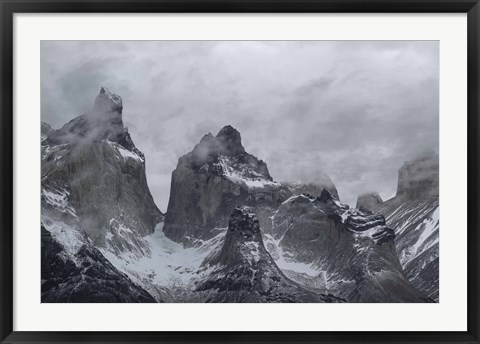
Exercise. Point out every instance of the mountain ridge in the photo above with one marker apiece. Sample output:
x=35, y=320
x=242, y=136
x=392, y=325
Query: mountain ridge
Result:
x=231, y=233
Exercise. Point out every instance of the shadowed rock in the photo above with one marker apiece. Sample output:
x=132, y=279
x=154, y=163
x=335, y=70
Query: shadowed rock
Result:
x=346, y=252
x=94, y=164
x=90, y=278
x=243, y=270
x=210, y=181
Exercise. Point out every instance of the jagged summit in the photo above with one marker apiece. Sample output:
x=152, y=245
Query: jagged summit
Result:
x=107, y=101
x=211, y=180
x=326, y=196
x=243, y=229
x=229, y=141
x=103, y=122
x=243, y=270
x=93, y=160
x=224, y=155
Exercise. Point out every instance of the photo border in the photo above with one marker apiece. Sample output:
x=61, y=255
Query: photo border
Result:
x=8, y=8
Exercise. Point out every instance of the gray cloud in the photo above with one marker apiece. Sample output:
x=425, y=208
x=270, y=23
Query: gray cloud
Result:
x=354, y=110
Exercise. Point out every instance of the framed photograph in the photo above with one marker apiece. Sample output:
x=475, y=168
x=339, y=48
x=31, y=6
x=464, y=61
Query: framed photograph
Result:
x=239, y=172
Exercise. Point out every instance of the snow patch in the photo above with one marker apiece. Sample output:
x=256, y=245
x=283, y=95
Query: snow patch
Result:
x=168, y=264
x=69, y=237
x=285, y=261
x=125, y=153
x=58, y=199
x=240, y=177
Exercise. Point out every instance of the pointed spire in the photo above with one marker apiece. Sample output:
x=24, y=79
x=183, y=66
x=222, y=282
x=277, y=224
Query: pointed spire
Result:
x=107, y=101
x=230, y=141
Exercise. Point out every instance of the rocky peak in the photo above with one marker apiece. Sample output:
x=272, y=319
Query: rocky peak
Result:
x=107, y=101
x=369, y=201
x=210, y=181
x=243, y=270
x=229, y=141
x=419, y=178
x=326, y=196
x=243, y=240
x=103, y=122
x=92, y=157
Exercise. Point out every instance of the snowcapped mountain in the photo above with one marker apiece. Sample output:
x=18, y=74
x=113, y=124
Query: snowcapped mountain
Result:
x=210, y=181
x=231, y=232
x=94, y=189
x=317, y=242
x=414, y=213
x=326, y=246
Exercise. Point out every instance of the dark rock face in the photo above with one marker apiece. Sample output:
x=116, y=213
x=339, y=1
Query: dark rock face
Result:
x=352, y=252
x=243, y=271
x=88, y=277
x=369, y=201
x=94, y=196
x=93, y=158
x=414, y=213
x=211, y=181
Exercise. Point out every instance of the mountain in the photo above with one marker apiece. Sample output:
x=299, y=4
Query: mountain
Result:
x=213, y=179
x=92, y=159
x=326, y=246
x=95, y=194
x=243, y=270
x=315, y=242
x=414, y=213
x=231, y=232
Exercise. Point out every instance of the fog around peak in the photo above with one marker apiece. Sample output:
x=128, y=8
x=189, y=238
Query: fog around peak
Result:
x=352, y=110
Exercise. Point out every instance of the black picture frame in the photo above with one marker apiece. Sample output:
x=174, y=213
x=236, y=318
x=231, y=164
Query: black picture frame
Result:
x=8, y=8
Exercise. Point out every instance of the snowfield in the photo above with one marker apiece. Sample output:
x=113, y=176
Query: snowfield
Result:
x=168, y=265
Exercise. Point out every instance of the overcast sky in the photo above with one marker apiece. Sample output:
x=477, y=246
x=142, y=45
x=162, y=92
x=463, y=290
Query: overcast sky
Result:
x=354, y=110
